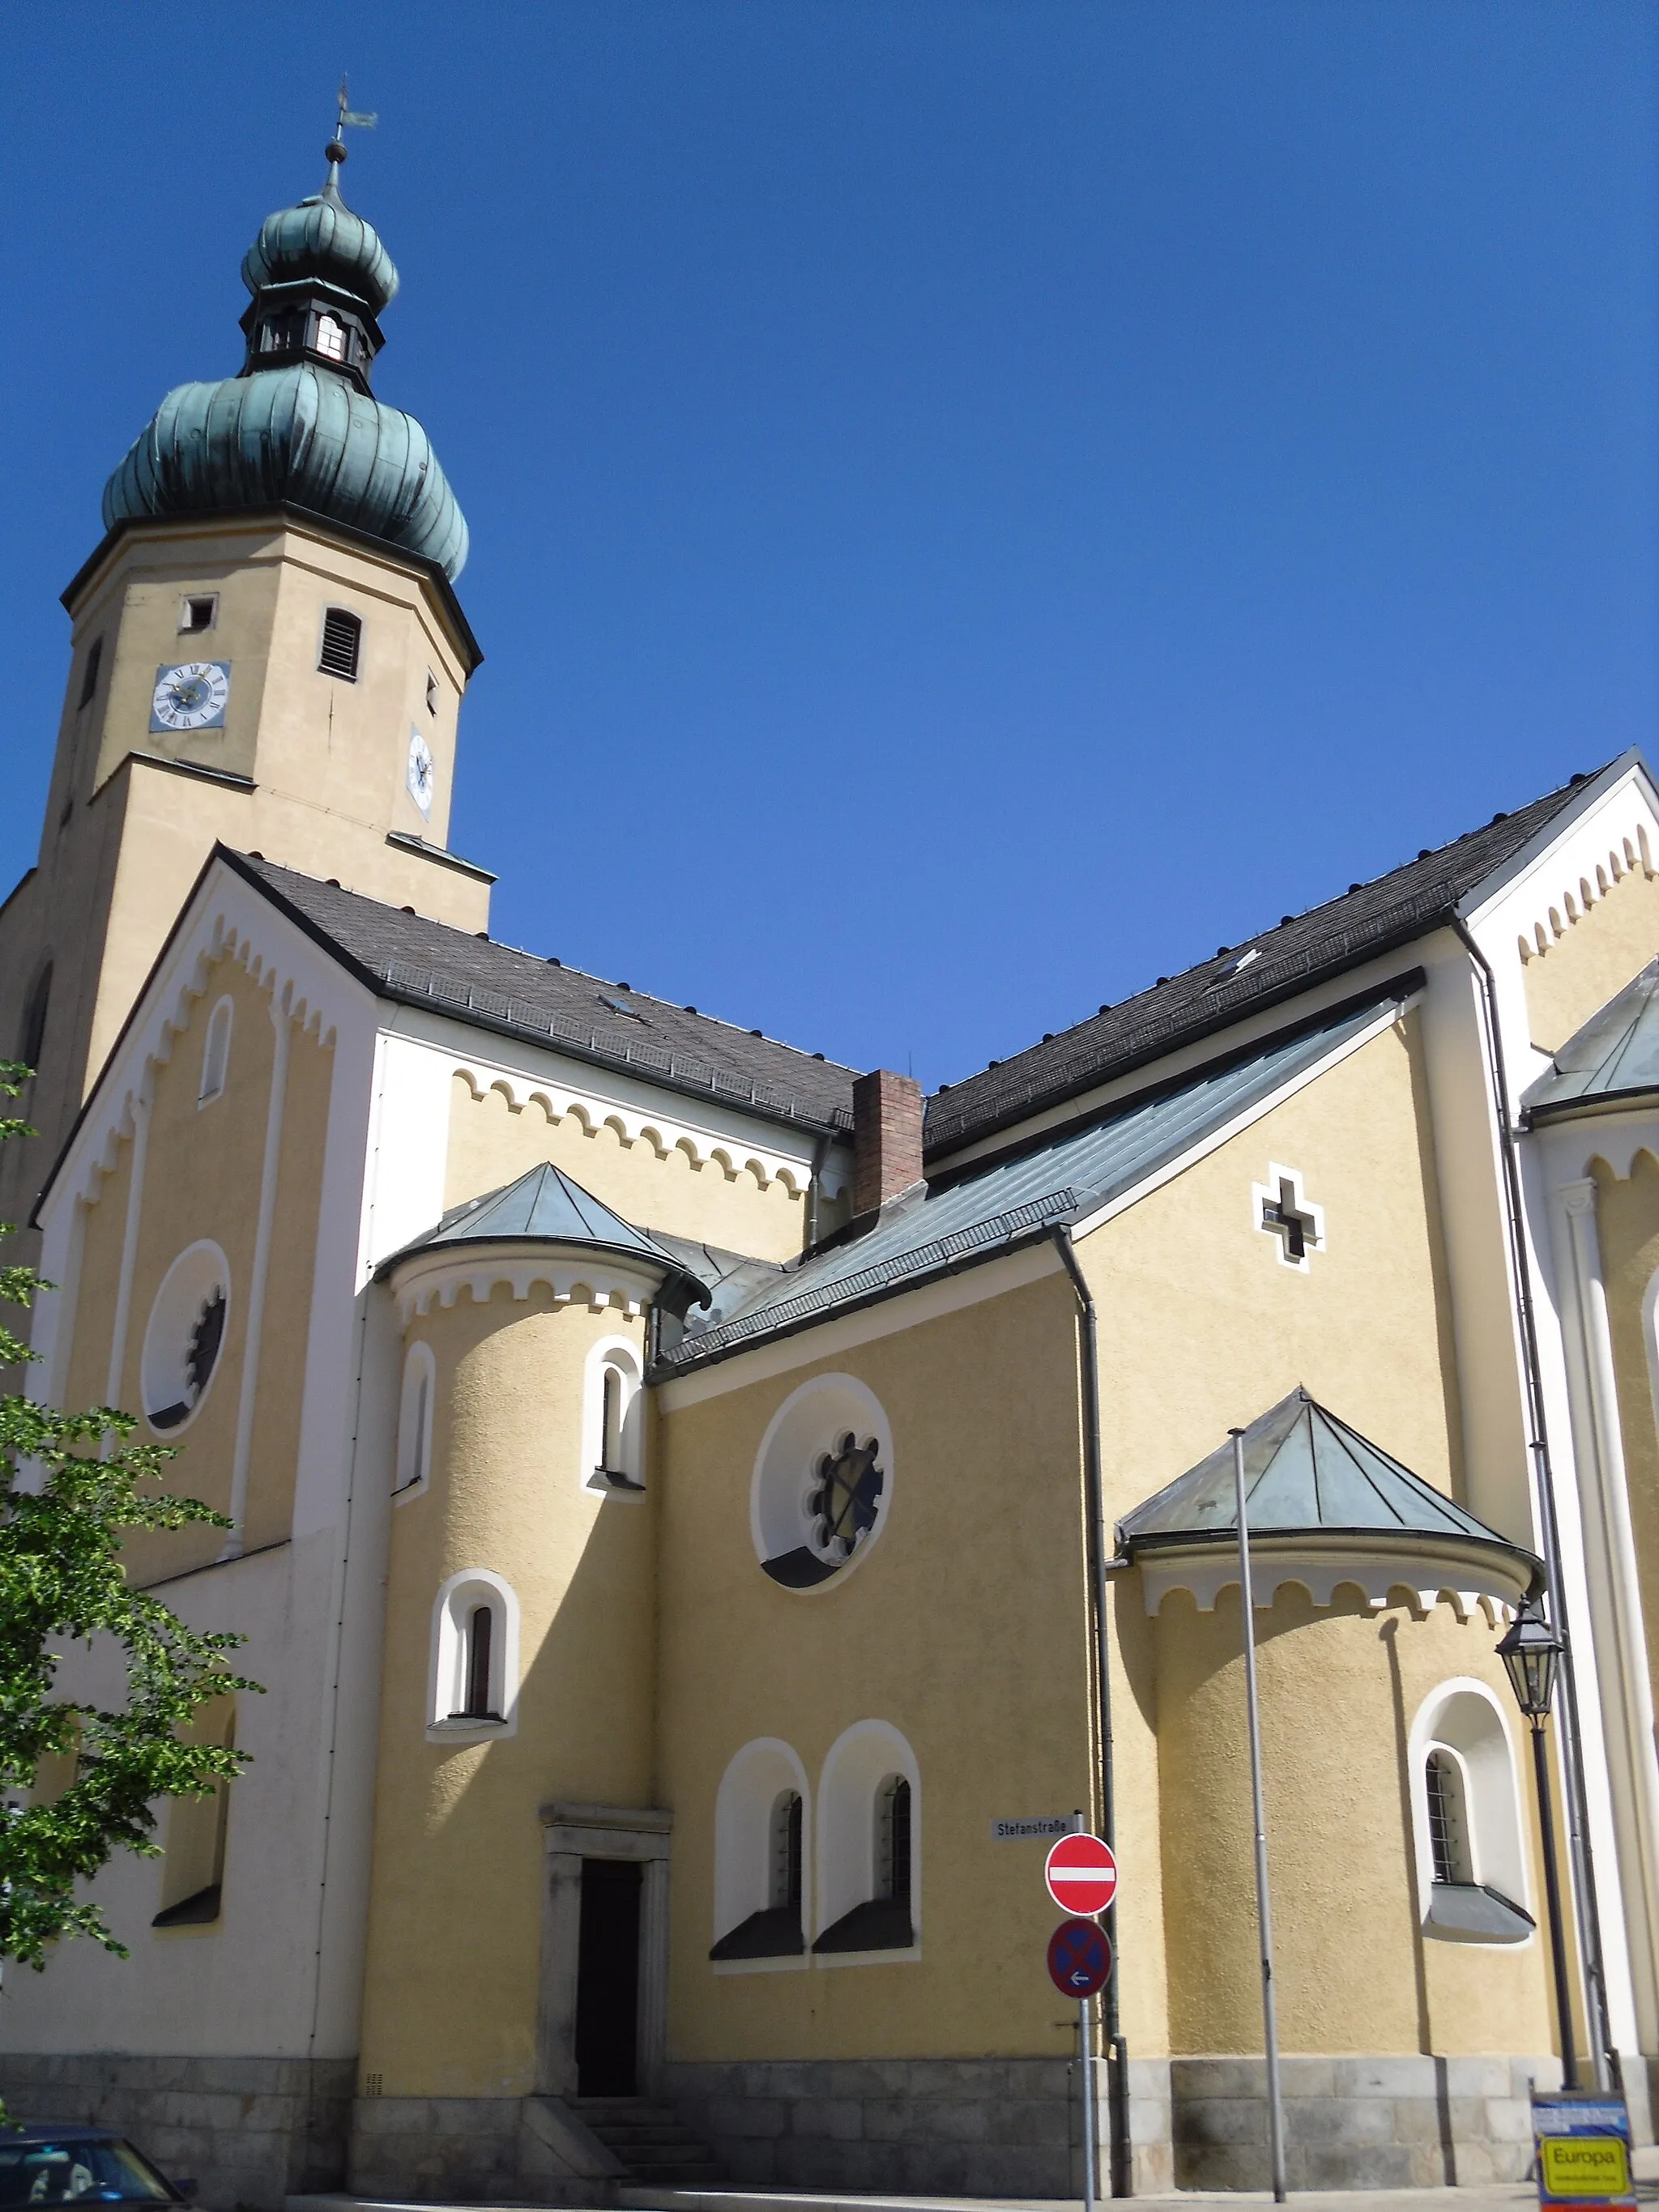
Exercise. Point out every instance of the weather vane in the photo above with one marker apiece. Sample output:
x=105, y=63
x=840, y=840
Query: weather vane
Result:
x=347, y=119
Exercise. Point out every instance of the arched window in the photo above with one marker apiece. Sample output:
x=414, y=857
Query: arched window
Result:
x=32, y=1031
x=415, y=1419
x=216, y=1053
x=893, y=1842
x=1471, y=1848
x=480, y=1627
x=760, y=1870
x=613, y=1419
x=330, y=338
x=474, y=1683
x=193, y=1864
x=867, y=1842
x=342, y=637
x=1448, y=1817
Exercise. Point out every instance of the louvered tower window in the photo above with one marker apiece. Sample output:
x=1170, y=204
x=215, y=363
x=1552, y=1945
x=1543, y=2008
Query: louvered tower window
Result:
x=342, y=637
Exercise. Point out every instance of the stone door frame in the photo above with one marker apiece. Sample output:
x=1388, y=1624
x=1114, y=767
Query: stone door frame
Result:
x=572, y=1833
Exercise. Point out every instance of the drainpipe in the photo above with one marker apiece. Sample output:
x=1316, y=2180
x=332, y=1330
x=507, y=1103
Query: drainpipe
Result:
x=1568, y=1739
x=1117, y=2051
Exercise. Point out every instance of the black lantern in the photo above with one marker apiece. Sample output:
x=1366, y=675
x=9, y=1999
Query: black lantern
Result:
x=1529, y=1652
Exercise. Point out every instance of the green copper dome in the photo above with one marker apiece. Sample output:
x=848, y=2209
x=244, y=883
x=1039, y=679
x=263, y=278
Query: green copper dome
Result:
x=299, y=424
x=322, y=237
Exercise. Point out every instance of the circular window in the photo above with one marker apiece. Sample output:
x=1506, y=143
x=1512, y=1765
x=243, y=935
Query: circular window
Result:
x=823, y=1478
x=186, y=1336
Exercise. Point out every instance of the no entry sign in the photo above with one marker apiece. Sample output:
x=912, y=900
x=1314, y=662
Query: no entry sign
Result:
x=1081, y=1875
x=1079, y=1959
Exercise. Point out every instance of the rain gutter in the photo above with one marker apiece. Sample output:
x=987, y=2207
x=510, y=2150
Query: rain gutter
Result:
x=1117, y=2051
x=1569, y=1735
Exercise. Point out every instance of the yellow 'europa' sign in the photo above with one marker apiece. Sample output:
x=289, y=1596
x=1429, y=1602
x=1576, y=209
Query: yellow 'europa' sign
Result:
x=1584, y=2166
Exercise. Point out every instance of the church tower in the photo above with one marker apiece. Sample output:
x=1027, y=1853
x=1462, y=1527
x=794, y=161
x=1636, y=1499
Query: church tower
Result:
x=266, y=652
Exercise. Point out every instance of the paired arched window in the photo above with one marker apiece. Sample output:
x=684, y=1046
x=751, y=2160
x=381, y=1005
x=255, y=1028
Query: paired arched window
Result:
x=474, y=1683
x=1465, y=1804
x=414, y=1418
x=864, y=1859
x=613, y=1419
x=760, y=1863
x=216, y=1053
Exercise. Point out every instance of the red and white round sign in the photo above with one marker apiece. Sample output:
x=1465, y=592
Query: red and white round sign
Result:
x=1081, y=1875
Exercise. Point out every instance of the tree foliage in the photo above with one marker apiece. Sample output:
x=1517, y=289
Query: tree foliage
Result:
x=71, y=1484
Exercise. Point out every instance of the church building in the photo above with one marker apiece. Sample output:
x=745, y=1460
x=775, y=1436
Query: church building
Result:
x=704, y=1517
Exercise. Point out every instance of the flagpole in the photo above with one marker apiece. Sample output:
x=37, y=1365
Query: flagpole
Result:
x=1264, y=1914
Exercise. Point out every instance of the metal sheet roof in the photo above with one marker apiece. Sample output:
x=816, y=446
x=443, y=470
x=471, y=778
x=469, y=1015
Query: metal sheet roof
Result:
x=544, y=1207
x=1306, y=1471
x=1017, y=1200
x=1615, y=1056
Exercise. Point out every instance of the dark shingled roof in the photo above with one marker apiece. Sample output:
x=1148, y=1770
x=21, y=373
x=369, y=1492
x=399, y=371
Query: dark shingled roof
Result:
x=1367, y=920
x=419, y=963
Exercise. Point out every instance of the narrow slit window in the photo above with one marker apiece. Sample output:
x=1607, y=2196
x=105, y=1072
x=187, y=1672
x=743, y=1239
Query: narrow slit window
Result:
x=1449, y=1821
x=215, y=1055
x=342, y=638
x=893, y=1841
x=480, y=1636
x=90, y=673
x=611, y=1455
x=32, y=1033
x=431, y=693
x=785, y=1885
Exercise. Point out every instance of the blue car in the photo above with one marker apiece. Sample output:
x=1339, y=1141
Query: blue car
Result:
x=45, y=2165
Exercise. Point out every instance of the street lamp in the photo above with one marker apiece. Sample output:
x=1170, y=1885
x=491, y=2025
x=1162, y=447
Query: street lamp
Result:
x=1530, y=1651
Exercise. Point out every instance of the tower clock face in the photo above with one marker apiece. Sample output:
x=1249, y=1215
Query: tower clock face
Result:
x=191, y=695
x=421, y=773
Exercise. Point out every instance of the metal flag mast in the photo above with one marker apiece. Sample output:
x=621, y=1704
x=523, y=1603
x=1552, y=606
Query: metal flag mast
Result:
x=1264, y=1916
x=346, y=119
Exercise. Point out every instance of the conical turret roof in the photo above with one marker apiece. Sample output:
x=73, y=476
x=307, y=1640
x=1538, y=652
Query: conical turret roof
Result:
x=1306, y=1472
x=544, y=1207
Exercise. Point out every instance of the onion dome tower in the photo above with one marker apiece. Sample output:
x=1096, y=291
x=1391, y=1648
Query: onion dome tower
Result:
x=298, y=424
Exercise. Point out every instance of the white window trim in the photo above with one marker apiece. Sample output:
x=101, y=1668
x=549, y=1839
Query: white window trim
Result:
x=743, y=1807
x=454, y=1601
x=410, y=1478
x=1492, y=1804
x=854, y=1767
x=205, y=1095
x=622, y=1354
x=1264, y=1194
x=187, y=599
x=783, y=1476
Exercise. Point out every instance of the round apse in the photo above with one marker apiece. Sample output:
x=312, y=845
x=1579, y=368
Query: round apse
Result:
x=185, y=1337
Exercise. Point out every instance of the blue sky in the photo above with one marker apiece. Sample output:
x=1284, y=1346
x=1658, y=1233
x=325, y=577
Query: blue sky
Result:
x=973, y=505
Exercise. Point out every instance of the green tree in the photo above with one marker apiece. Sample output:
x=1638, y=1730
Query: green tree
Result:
x=70, y=1485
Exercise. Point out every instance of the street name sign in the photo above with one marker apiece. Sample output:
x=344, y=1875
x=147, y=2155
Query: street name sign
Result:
x=1039, y=1826
x=1081, y=1875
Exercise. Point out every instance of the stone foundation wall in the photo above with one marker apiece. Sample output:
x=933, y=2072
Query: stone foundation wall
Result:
x=1392, y=2122
x=250, y=2131
x=432, y=2148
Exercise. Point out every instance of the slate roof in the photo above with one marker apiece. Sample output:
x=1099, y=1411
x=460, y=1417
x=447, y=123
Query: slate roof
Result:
x=937, y=1230
x=1367, y=919
x=544, y=1207
x=419, y=963
x=1615, y=1056
x=1306, y=1472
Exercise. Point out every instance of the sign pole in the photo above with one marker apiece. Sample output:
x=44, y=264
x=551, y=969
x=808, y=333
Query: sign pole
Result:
x=1085, y=2042
x=1264, y=1914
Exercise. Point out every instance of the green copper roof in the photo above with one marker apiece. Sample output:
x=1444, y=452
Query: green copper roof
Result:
x=1614, y=1057
x=299, y=430
x=544, y=1207
x=1306, y=1472
x=296, y=433
x=326, y=239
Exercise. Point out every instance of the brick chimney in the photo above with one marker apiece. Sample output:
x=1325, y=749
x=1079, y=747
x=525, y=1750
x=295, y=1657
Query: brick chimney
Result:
x=886, y=1138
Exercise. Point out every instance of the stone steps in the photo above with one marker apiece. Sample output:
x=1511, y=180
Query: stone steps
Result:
x=651, y=2140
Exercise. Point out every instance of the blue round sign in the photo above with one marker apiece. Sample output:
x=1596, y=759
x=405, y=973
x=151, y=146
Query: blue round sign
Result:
x=1079, y=1959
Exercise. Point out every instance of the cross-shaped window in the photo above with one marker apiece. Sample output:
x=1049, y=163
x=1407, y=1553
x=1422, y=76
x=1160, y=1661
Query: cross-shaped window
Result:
x=1282, y=1210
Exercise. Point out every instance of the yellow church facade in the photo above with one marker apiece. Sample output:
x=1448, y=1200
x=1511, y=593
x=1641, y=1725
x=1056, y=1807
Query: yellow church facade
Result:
x=700, y=1515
